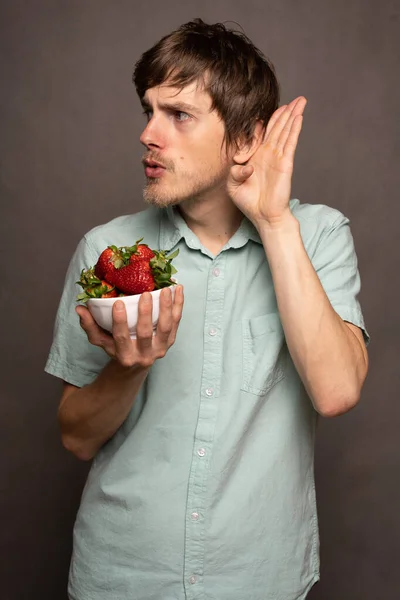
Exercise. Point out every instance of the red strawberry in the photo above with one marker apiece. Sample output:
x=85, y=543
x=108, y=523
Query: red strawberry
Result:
x=113, y=258
x=110, y=259
x=136, y=277
x=145, y=252
x=104, y=264
x=130, y=269
x=146, y=270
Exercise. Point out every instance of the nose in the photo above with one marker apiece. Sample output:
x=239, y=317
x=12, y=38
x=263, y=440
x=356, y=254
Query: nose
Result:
x=152, y=135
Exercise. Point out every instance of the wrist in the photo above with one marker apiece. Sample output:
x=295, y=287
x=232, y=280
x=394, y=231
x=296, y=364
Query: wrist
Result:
x=120, y=371
x=285, y=224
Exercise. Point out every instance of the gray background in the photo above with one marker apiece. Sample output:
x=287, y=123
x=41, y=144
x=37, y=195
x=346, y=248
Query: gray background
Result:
x=70, y=123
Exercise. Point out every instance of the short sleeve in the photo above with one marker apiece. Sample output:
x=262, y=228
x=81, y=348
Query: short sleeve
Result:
x=72, y=357
x=336, y=264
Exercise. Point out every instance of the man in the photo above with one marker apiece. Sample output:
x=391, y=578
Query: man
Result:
x=202, y=436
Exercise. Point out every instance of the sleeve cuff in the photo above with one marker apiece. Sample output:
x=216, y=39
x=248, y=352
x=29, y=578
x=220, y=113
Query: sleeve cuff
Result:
x=70, y=373
x=354, y=316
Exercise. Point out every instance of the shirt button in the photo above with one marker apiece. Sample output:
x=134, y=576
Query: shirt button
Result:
x=216, y=272
x=209, y=391
x=193, y=579
x=195, y=516
x=212, y=331
x=201, y=452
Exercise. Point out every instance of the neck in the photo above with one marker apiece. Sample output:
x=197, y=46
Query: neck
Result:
x=213, y=221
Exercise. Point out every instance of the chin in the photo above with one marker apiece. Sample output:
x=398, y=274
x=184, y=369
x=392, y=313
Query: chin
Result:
x=156, y=197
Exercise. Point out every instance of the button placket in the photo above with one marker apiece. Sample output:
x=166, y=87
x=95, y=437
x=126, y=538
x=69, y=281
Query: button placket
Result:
x=204, y=434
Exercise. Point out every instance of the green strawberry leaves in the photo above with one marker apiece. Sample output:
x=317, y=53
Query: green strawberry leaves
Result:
x=162, y=268
x=92, y=286
x=124, y=253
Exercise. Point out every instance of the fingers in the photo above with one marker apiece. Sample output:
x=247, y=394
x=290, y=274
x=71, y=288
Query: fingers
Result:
x=177, y=308
x=290, y=129
x=96, y=335
x=280, y=130
x=146, y=348
x=151, y=347
x=273, y=120
x=164, y=324
x=144, y=326
x=170, y=316
x=120, y=333
x=293, y=136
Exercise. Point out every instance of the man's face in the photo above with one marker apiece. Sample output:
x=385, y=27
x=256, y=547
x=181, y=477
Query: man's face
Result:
x=187, y=141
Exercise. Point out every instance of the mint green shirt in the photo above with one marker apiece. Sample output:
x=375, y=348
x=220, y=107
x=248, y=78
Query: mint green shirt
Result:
x=207, y=489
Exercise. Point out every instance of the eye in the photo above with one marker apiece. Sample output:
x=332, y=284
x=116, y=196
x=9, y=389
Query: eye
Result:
x=181, y=116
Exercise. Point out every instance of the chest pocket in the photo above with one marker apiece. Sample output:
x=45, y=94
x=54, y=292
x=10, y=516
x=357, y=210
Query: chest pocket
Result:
x=264, y=353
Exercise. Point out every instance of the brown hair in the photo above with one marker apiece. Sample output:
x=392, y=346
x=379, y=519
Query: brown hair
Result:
x=239, y=78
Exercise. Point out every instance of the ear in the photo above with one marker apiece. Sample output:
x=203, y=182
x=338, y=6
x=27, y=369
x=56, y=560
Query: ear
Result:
x=246, y=151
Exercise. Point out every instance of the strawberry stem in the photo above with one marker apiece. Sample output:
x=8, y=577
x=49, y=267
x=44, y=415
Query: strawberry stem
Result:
x=92, y=286
x=162, y=268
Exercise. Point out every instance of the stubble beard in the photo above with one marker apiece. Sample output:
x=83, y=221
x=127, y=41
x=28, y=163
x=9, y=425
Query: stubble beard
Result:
x=189, y=187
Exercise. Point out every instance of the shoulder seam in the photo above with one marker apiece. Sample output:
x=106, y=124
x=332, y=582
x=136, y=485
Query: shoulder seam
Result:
x=331, y=227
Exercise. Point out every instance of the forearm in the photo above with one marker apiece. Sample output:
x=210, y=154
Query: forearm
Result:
x=328, y=356
x=89, y=416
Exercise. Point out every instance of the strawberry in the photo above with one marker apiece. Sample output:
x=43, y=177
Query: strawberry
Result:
x=113, y=258
x=127, y=270
x=143, y=274
x=93, y=287
x=134, y=278
x=144, y=251
x=105, y=263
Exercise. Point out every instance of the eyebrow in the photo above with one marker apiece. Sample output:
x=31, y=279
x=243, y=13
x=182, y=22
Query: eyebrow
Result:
x=176, y=106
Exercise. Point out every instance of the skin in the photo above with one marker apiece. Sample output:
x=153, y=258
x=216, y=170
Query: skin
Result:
x=329, y=354
x=258, y=185
x=213, y=187
x=187, y=143
x=89, y=416
x=191, y=144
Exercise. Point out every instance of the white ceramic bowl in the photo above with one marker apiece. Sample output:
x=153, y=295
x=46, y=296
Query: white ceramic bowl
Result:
x=101, y=310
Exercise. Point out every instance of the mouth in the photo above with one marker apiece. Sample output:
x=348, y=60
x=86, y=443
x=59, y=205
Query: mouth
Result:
x=153, y=169
x=152, y=164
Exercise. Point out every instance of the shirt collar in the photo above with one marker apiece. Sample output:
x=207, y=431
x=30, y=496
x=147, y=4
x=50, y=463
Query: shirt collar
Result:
x=173, y=228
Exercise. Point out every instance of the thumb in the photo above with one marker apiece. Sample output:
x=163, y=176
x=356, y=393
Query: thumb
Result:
x=240, y=173
x=84, y=315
